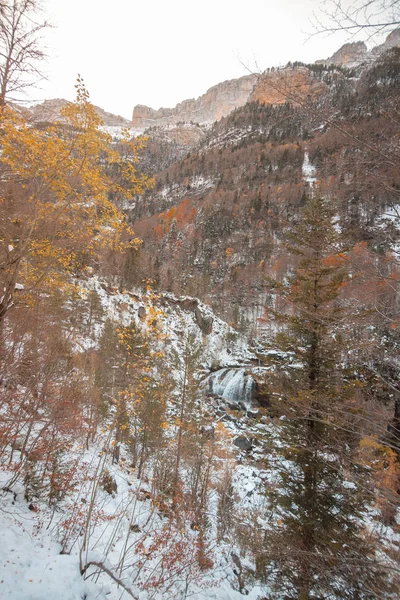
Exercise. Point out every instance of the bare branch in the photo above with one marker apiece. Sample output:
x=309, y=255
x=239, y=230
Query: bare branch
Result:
x=20, y=46
x=114, y=577
x=354, y=16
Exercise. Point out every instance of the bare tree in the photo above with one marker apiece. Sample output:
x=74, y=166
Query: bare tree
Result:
x=353, y=16
x=21, y=26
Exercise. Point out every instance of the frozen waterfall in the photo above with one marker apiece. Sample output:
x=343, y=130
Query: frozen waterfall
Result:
x=235, y=385
x=309, y=171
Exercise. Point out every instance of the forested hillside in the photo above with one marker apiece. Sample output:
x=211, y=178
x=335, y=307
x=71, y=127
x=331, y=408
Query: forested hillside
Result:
x=235, y=194
x=199, y=342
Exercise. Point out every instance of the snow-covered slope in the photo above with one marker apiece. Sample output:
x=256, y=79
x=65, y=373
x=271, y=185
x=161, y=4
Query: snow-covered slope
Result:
x=177, y=320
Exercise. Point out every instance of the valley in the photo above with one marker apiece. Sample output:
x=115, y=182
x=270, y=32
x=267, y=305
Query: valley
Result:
x=199, y=340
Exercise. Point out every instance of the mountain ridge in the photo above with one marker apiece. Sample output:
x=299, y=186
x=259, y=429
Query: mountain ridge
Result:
x=223, y=98
x=49, y=112
x=217, y=102
x=212, y=106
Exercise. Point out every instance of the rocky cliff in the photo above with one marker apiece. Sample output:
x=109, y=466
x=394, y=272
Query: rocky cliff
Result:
x=392, y=41
x=356, y=53
x=219, y=101
x=293, y=84
x=49, y=112
x=349, y=55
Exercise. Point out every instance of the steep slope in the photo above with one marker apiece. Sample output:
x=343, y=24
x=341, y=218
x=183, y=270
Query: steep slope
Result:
x=167, y=145
x=213, y=224
x=293, y=84
x=216, y=103
x=45, y=550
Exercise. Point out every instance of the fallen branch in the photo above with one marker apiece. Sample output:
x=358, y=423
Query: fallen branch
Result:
x=110, y=574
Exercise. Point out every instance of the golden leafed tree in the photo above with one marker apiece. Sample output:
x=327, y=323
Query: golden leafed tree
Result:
x=59, y=194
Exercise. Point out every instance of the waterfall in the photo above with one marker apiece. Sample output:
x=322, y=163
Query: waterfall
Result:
x=309, y=171
x=232, y=384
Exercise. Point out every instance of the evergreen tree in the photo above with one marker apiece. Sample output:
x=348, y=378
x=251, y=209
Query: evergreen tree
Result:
x=187, y=395
x=316, y=547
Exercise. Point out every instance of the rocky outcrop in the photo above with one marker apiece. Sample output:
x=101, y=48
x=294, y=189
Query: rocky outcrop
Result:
x=291, y=84
x=392, y=41
x=349, y=55
x=219, y=101
x=356, y=53
x=49, y=111
x=205, y=322
x=243, y=443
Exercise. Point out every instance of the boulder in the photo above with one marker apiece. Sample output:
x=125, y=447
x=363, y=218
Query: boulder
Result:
x=203, y=321
x=189, y=303
x=253, y=413
x=243, y=443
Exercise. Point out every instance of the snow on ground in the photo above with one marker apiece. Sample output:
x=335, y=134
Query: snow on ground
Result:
x=222, y=347
x=117, y=131
x=175, y=192
x=33, y=535
x=40, y=546
x=234, y=136
x=40, y=551
x=31, y=566
x=392, y=215
x=201, y=183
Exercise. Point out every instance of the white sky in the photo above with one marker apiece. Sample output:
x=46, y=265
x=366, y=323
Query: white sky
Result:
x=160, y=52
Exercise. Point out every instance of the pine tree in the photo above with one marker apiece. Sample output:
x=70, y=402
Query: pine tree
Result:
x=316, y=547
x=188, y=393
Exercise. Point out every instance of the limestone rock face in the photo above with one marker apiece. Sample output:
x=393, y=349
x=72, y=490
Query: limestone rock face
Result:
x=349, y=55
x=392, y=41
x=291, y=84
x=49, y=112
x=243, y=443
x=205, y=322
x=354, y=54
x=219, y=101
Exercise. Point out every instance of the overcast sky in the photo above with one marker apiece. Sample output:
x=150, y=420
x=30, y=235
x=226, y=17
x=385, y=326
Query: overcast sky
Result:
x=160, y=52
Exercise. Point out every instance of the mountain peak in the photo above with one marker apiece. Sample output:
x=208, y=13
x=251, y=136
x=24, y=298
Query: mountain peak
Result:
x=349, y=55
x=353, y=54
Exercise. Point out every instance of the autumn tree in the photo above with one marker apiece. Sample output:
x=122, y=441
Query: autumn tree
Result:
x=141, y=397
x=59, y=190
x=42, y=400
x=56, y=215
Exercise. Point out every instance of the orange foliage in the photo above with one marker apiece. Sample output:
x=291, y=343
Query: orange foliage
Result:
x=335, y=260
x=182, y=214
